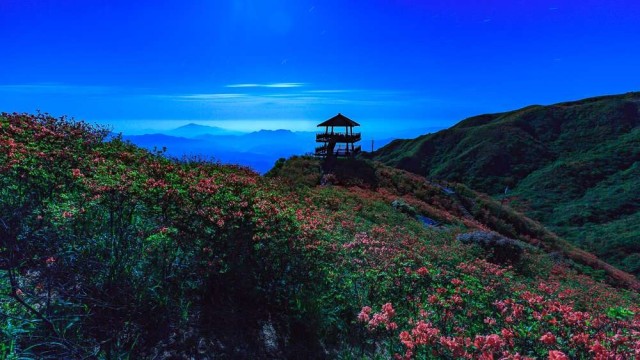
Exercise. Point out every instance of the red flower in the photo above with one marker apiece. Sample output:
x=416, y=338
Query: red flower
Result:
x=406, y=340
x=489, y=321
x=508, y=335
x=453, y=344
x=491, y=342
x=548, y=338
x=580, y=338
x=557, y=355
x=388, y=310
x=363, y=316
x=423, y=271
x=597, y=348
x=424, y=333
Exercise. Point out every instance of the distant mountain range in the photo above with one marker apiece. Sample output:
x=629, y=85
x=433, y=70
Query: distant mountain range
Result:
x=258, y=150
x=575, y=166
x=194, y=130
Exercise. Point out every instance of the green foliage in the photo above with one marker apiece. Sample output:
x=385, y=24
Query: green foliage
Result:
x=402, y=206
x=354, y=172
x=619, y=313
x=109, y=251
x=303, y=170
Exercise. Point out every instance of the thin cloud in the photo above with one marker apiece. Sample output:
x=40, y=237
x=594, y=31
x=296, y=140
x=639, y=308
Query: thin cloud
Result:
x=272, y=85
x=285, y=99
x=267, y=96
x=200, y=97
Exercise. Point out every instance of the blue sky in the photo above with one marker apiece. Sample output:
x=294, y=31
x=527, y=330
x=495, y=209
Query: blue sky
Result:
x=394, y=64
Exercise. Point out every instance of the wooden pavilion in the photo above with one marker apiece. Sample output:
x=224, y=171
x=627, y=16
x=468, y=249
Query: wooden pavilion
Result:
x=338, y=142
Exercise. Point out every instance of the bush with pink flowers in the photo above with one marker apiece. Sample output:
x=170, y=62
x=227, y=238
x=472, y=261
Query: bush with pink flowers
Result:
x=109, y=251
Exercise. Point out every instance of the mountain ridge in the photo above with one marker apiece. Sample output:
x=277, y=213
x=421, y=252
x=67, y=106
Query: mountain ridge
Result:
x=546, y=158
x=192, y=130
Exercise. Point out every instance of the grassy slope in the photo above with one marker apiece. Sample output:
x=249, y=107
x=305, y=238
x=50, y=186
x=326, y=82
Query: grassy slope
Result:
x=572, y=166
x=463, y=207
x=109, y=251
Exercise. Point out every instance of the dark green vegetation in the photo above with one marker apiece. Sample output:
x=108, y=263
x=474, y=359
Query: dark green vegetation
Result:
x=573, y=166
x=109, y=251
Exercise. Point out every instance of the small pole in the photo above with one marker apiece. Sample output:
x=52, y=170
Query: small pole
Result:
x=371, y=145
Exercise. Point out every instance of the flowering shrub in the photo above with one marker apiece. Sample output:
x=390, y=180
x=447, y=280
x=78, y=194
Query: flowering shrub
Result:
x=109, y=251
x=493, y=316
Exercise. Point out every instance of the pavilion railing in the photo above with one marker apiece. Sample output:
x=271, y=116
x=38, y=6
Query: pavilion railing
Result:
x=323, y=151
x=327, y=137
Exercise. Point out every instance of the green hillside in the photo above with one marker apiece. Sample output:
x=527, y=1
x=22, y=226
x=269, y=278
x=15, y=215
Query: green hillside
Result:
x=573, y=166
x=109, y=251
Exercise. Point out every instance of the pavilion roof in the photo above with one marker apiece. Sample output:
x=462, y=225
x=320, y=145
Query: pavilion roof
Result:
x=339, y=120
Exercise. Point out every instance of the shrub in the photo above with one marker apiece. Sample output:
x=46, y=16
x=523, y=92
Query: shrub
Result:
x=402, y=206
x=499, y=249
